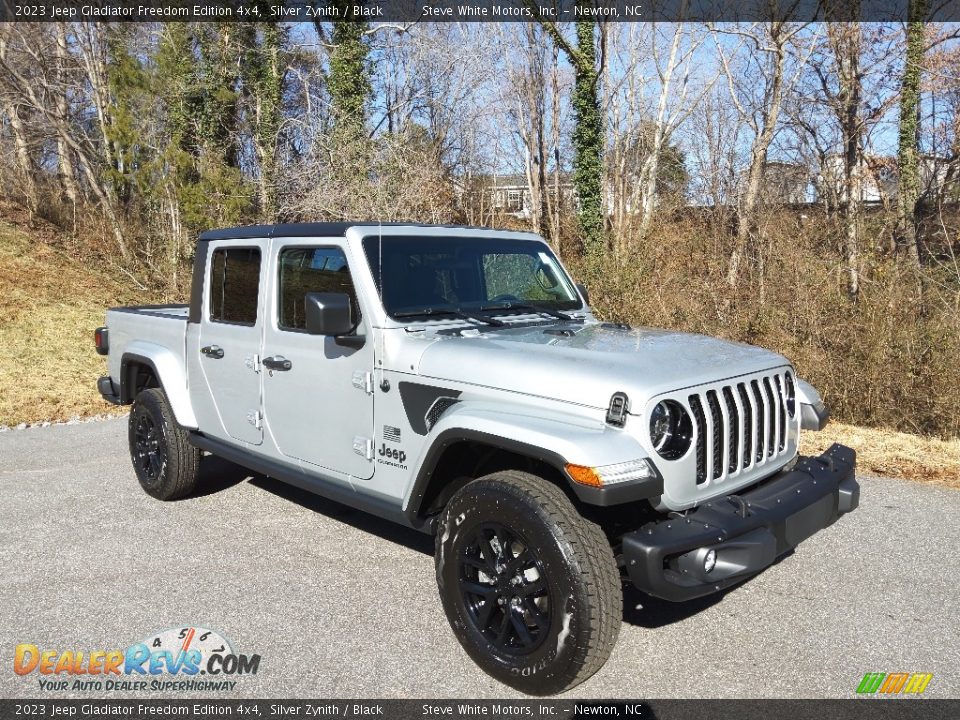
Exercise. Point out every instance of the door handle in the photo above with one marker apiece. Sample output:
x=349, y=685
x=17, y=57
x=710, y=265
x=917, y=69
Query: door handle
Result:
x=277, y=362
x=212, y=351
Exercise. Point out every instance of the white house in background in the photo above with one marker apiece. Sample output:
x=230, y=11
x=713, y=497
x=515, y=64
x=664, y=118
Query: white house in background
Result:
x=877, y=181
x=878, y=178
x=508, y=194
x=786, y=183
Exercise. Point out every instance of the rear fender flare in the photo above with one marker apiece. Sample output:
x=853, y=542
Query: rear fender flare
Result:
x=169, y=371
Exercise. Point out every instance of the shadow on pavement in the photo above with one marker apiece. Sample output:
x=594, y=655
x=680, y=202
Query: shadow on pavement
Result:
x=650, y=612
x=217, y=474
x=365, y=522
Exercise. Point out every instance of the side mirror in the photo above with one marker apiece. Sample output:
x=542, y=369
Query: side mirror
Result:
x=582, y=289
x=331, y=314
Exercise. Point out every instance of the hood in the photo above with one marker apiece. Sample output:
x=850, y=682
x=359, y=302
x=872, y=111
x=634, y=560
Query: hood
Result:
x=587, y=367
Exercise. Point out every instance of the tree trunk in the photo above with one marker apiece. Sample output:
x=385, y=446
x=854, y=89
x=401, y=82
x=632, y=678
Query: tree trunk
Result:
x=65, y=168
x=555, y=200
x=907, y=153
x=847, y=49
x=588, y=140
x=348, y=81
x=20, y=144
x=651, y=165
x=747, y=208
x=265, y=76
x=22, y=152
x=588, y=132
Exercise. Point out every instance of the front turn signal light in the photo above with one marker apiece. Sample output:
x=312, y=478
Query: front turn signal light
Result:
x=606, y=475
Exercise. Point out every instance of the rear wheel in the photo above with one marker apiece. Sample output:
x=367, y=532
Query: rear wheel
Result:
x=531, y=588
x=165, y=462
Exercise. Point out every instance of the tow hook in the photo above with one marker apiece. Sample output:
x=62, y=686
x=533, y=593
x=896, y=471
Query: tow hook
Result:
x=738, y=502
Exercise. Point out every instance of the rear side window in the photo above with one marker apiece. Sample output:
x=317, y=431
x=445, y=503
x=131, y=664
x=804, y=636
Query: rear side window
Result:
x=306, y=270
x=235, y=285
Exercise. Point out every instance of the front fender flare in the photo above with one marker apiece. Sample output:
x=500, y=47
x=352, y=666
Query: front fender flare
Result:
x=554, y=441
x=169, y=371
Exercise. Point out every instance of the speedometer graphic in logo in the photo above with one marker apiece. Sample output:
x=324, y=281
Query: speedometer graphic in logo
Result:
x=184, y=639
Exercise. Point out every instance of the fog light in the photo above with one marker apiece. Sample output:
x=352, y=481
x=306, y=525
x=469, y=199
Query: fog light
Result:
x=709, y=561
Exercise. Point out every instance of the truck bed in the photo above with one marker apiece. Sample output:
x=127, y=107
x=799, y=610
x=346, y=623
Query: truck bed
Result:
x=170, y=311
x=165, y=325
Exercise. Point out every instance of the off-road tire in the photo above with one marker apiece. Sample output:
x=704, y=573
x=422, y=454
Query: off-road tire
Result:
x=584, y=596
x=165, y=462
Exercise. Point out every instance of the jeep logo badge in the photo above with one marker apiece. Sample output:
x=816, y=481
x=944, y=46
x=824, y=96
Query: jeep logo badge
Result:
x=392, y=454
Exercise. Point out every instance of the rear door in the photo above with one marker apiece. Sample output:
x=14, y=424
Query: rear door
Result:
x=230, y=335
x=320, y=409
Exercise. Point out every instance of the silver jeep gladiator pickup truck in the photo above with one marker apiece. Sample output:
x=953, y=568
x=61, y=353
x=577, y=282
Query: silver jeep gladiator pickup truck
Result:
x=454, y=380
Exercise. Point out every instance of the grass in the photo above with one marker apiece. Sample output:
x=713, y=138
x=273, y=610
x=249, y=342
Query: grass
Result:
x=889, y=453
x=50, y=305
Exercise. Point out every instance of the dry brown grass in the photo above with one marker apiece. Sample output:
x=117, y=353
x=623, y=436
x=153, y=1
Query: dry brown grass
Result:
x=50, y=305
x=889, y=453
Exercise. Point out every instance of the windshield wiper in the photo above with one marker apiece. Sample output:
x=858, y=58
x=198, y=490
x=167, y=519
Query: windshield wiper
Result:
x=528, y=306
x=455, y=312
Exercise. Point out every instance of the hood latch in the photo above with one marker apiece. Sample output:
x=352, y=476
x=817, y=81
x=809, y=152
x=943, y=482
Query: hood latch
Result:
x=618, y=409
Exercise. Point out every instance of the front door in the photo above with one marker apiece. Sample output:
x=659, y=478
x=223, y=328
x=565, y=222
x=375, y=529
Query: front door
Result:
x=230, y=335
x=319, y=409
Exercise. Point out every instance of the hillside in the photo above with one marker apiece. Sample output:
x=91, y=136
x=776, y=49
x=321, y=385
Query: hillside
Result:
x=51, y=302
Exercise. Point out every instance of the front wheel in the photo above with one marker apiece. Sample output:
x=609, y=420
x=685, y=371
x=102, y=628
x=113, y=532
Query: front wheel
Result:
x=166, y=463
x=531, y=588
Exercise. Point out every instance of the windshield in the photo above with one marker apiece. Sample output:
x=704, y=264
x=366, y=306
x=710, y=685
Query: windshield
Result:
x=436, y=275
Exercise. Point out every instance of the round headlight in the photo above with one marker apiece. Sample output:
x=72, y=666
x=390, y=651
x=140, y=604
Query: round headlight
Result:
x=670, y=430
x=791, y=394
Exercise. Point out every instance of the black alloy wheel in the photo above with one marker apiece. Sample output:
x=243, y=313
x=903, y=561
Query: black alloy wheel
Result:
x=166, y=463
x=504, y=589
x=149, y=455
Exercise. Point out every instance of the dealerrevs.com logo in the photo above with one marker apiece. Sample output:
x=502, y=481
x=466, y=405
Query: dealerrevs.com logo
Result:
x=185, y=659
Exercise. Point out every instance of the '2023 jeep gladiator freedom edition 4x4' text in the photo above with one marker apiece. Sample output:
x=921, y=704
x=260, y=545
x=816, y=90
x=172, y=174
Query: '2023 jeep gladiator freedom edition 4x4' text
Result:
x=454, y=380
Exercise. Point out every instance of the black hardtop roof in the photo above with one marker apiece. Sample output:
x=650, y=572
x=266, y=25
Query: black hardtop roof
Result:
x=318, y=229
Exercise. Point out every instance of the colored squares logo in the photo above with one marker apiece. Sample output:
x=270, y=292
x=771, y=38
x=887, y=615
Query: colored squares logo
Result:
x=894, y=683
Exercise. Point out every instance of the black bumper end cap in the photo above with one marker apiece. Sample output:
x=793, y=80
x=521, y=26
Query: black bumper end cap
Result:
x=108, y=391
x=849, y=496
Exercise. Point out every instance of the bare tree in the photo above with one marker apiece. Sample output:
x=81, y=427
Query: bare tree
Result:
x=658, y=79
x=757, y=90
x=65, y=165
x=38, y=86
x=840, y=86
x=13, y=110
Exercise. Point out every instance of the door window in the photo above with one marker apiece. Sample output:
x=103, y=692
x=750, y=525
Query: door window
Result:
x=235, y=285
x=306, y=270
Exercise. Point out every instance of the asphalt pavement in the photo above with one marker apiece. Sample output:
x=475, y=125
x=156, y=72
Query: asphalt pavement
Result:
x=341, y=604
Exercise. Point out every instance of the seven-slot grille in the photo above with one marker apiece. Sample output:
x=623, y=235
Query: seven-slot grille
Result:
x=739, y=426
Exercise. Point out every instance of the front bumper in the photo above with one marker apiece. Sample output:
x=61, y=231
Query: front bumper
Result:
x=747, y=531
